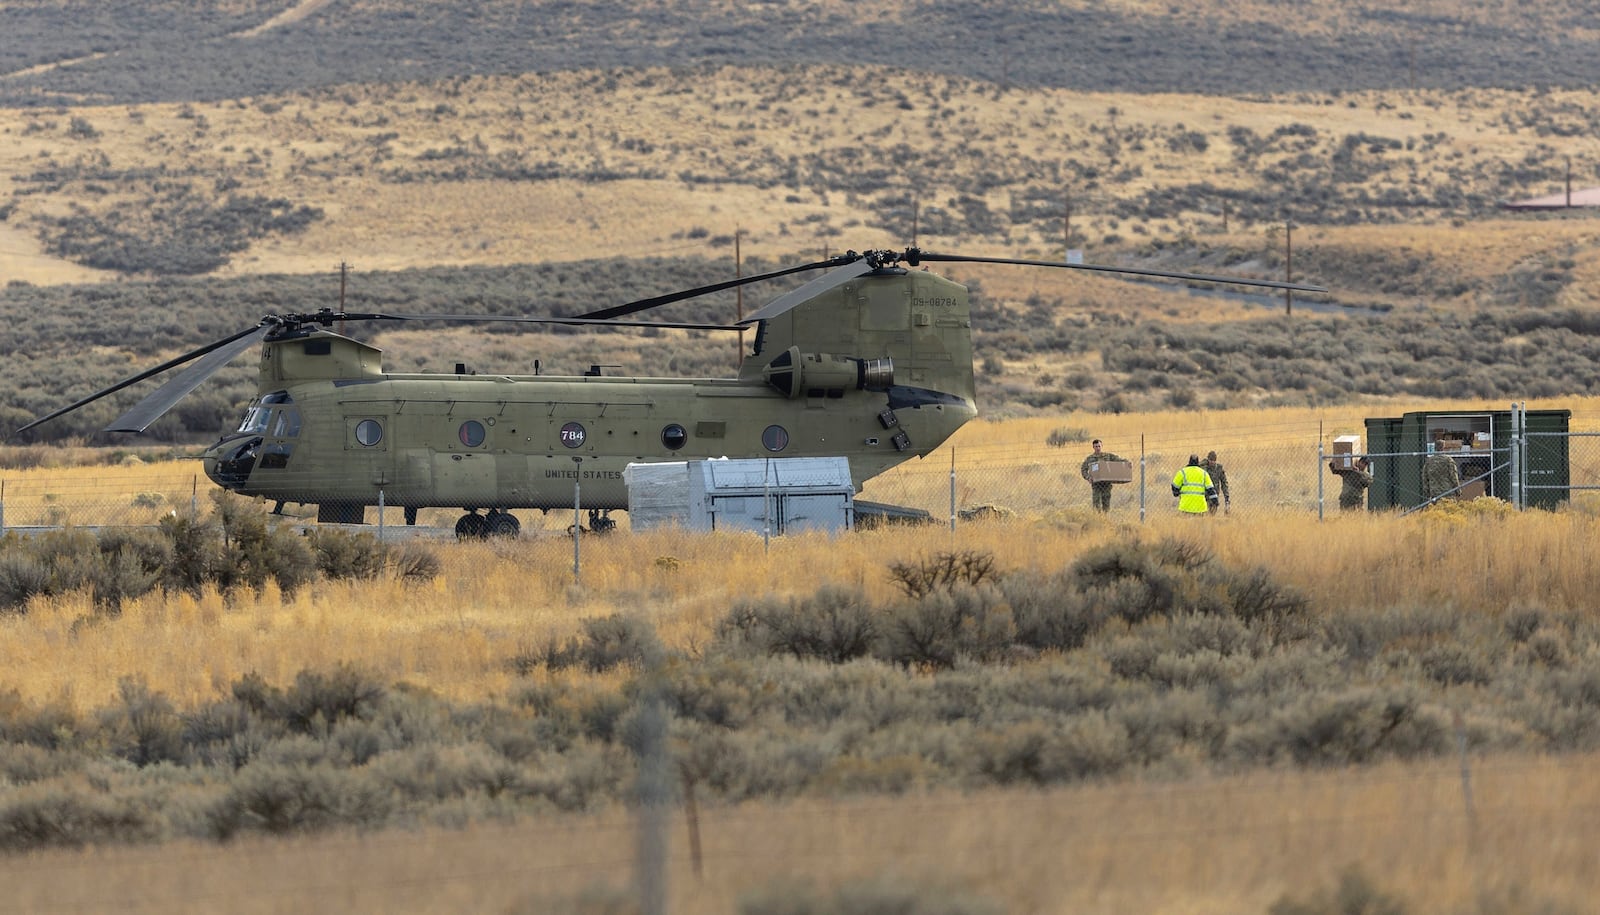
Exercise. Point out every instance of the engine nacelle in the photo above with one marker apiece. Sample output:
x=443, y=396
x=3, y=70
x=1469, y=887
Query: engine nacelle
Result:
x=798, y=374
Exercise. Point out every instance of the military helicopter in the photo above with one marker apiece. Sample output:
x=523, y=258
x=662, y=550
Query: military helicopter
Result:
x=871, y=361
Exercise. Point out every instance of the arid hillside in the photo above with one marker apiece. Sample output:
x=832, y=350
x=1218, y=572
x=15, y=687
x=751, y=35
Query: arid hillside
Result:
x=138, y=51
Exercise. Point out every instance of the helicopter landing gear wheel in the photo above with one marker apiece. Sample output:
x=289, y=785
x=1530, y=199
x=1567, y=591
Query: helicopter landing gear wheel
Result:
x=501, y=524
x=411, y=515
x=472, y=526
x=600, y=521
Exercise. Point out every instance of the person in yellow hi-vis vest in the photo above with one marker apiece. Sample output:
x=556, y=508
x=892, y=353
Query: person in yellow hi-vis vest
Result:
x=1193, y=487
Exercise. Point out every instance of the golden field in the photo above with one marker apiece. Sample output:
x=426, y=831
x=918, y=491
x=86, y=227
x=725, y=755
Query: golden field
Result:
x=450, y=634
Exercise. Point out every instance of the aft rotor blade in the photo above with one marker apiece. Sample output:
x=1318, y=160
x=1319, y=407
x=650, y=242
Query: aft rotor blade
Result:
x=629, y=308
x=172, y=363
x=516, y=319
x=163, y=398
x=915, y=256
x=833, y=278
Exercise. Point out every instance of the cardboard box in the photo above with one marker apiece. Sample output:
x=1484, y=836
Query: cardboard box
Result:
x=1111, y=472
x=1345, y=448
x=1480, y=442
x=1474, y=490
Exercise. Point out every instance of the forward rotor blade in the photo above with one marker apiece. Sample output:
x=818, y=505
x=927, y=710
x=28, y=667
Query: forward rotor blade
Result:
x=629, y=308
x=163, y=398
x=515, y=319
x=915, y=256
x=833, y=278
x=172, y=363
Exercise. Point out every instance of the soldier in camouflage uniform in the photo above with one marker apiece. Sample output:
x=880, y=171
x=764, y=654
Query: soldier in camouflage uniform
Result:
x=1356, y=480
x=1100, y=490
x=1219, y=477
x=1439, y=475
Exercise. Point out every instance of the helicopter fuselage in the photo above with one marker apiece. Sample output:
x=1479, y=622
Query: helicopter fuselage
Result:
x=502, y=441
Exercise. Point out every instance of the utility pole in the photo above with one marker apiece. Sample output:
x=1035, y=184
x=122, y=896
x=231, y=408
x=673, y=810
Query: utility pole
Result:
x=1288, y=265
x=738, y=273
x=344, y=272
x=1066, y=202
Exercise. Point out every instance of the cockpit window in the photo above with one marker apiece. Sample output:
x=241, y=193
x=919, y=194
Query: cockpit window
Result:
x=259, y=414
x=255, y=419
x=287, y=423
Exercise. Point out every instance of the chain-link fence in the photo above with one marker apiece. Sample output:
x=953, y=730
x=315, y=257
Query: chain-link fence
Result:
x=1278, y=470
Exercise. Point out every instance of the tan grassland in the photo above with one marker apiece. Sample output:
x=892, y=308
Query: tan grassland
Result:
x=1206, y=846
x=497, y=600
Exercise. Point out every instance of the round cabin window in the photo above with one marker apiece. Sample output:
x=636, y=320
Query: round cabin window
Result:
x=674, y=437
x=472, y=433
x=573, y=435
x=775, y=438
x=369, y=432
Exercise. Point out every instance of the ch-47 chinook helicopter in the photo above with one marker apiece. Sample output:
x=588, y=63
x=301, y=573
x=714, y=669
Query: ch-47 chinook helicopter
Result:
x=870, y=361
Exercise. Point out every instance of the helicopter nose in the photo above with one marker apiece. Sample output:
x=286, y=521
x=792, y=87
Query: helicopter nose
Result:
x=228, y=463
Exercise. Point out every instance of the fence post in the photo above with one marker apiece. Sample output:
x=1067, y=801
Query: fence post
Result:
x=577, y=523
x=1321, y=496
x=1141, y=478
x=1516, y=462
x=2, y=506
x=380, y=516
x=952, y=490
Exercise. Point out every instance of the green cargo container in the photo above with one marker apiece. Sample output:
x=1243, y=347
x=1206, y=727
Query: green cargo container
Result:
x=1399, y=445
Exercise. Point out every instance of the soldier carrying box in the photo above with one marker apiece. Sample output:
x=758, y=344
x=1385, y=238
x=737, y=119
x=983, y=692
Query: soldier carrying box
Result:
x=1094, y=469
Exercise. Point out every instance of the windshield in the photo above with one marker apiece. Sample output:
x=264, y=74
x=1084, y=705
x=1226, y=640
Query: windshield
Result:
x=260, y=412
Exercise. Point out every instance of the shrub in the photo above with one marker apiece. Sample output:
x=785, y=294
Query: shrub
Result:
x=52, y=727
x=1061, y=437
x=225, y=733
x=1350, y=728
x=48, y=816
x=319, y=700
x=1258, y=600
x=1045, y=753
x=281, y=799
x=1050, y=614
x=315, y=702
x=255, y=552
x=942, y=571
x=414, y=562
x=833, y=625
x=144, y=729
x=941, y=628
x=21, y=577
x=197, y=554
x=340, y=554
x=606, y=643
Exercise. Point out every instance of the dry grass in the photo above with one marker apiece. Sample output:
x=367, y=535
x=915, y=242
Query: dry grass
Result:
x=1214, y=845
